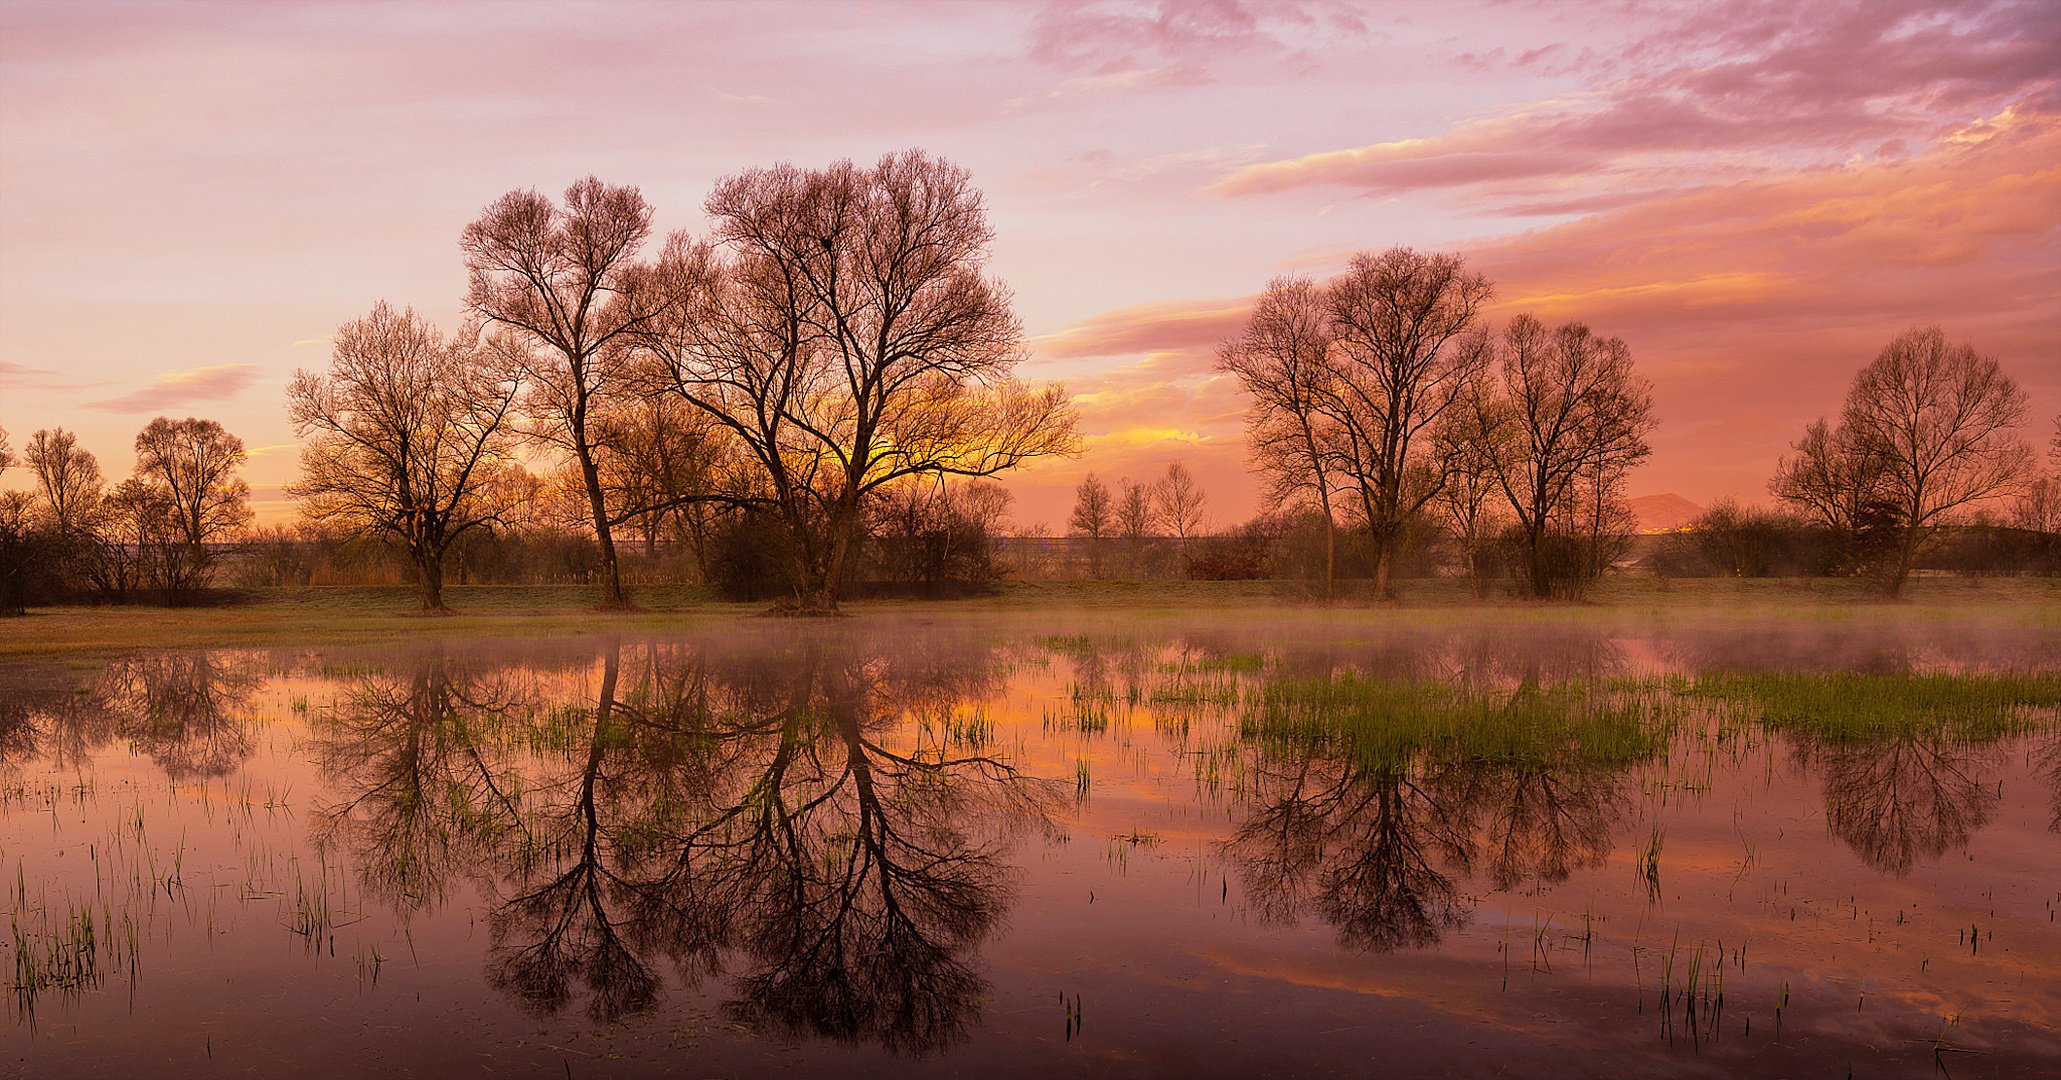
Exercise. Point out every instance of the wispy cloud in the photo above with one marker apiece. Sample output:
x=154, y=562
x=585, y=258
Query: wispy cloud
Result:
x=179, y=388
x=1755, y=81
x=23, y=377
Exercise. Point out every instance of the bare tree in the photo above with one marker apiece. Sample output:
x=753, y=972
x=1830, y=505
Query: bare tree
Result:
x=6, y=452
x=191, y=466
x=1093, y=515
x=1280, y=360
x=552, y=281
x=69, y=477
x=1348, y=377
x=1568, y=411
x=1133, y=510
x=666, y=463
x=1401, y=361
x=1941, y=420
x=406, y=428
x=1832, y=477
x=1468, y=498
x=1177, y=502
x=845, y=333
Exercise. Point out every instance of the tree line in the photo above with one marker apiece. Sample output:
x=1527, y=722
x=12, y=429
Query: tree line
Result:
x=1383, y=404
x=817, y=390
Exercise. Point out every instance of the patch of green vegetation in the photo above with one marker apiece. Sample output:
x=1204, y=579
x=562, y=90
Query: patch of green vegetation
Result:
x=1389, y=722
x=1845, y=706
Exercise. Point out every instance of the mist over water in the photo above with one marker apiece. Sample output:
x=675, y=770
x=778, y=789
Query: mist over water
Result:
x=1214, y=843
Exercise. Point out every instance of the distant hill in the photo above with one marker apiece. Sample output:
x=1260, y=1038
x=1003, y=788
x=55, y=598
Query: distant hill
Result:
x=1663, y=513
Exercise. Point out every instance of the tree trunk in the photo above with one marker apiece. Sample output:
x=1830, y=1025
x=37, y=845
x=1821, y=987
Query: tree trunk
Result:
x=429, y=573
x=612, y=594
x=1541, y=576
x=1330, y=543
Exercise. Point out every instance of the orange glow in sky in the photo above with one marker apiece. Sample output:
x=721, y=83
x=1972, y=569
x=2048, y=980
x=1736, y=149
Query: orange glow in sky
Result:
x=1755, y=195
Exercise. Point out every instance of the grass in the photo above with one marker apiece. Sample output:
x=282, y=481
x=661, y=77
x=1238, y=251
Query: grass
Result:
x=373, y=614
x=1389, y=722
x=1844, y=706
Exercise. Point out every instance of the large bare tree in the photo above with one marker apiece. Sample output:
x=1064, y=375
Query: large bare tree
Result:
x=1940, y=421
x=190, y=468
x=844, y=332
x=1348, y=377
x=550, y=281
x=1568, y=416
x=405, y=431
x=1281, y=361
x=1401, y=359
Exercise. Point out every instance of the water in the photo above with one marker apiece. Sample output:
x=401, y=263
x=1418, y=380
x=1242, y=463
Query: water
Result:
x=1202, y=845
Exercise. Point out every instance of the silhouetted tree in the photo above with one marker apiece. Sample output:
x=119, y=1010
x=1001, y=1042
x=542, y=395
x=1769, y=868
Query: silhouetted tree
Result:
x=1940, y=421
x=845, y=334
x=1281, y=362
x=407, y=429
x=551, y=281
x=189, y=467
x=1568, y=415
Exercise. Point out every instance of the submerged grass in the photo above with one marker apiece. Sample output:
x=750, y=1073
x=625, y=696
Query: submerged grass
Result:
x=1389, y=721
x=1846, y=706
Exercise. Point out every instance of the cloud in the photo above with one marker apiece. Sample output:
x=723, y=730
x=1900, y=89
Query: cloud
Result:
x=1175, y=42
x=23, y=377
x=1179, y=327
x=1782, y=82
x=179, y=388
x=1749, y=304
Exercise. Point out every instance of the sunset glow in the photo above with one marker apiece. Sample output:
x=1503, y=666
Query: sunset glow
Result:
x=1755, y=196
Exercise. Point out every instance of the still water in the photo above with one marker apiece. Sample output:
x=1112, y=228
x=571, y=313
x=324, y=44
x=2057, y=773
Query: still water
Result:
x=1188, y=846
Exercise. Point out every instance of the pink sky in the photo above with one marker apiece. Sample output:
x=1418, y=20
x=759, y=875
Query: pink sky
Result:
x=1754, y=195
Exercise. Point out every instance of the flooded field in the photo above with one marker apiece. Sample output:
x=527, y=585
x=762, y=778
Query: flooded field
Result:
x=1007, y=845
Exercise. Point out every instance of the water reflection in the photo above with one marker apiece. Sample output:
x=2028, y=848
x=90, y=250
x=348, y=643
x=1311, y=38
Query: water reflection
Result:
x=821, y=823
x=1903, y=800
x=822, y=831
x=190, y=713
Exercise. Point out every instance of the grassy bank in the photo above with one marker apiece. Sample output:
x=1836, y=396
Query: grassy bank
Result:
x=347, y=615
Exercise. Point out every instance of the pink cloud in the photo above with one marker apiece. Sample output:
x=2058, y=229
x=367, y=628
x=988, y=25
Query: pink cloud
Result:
x=178, y=389
x=1770, y=79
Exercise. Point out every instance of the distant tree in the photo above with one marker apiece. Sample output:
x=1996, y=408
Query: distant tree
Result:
x=24, y=548
x=665, y=466
x=69, y=478
x=845, y=333
x=1093, y=509
x=1133, y=510
x=1940, y=420
x=404, y=432
x=190, y=466
x=1177, y=502
x=551, y=281
x=1568, y=417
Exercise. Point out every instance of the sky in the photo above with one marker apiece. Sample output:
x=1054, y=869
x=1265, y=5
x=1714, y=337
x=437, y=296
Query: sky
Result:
x=1755, y=196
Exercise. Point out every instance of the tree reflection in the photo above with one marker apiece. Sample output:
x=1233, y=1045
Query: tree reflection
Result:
x=1355, y=845
x=1901, y=800
x=189, y=712
x=420, y=756
x=807, y=819
x=1373, y=843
